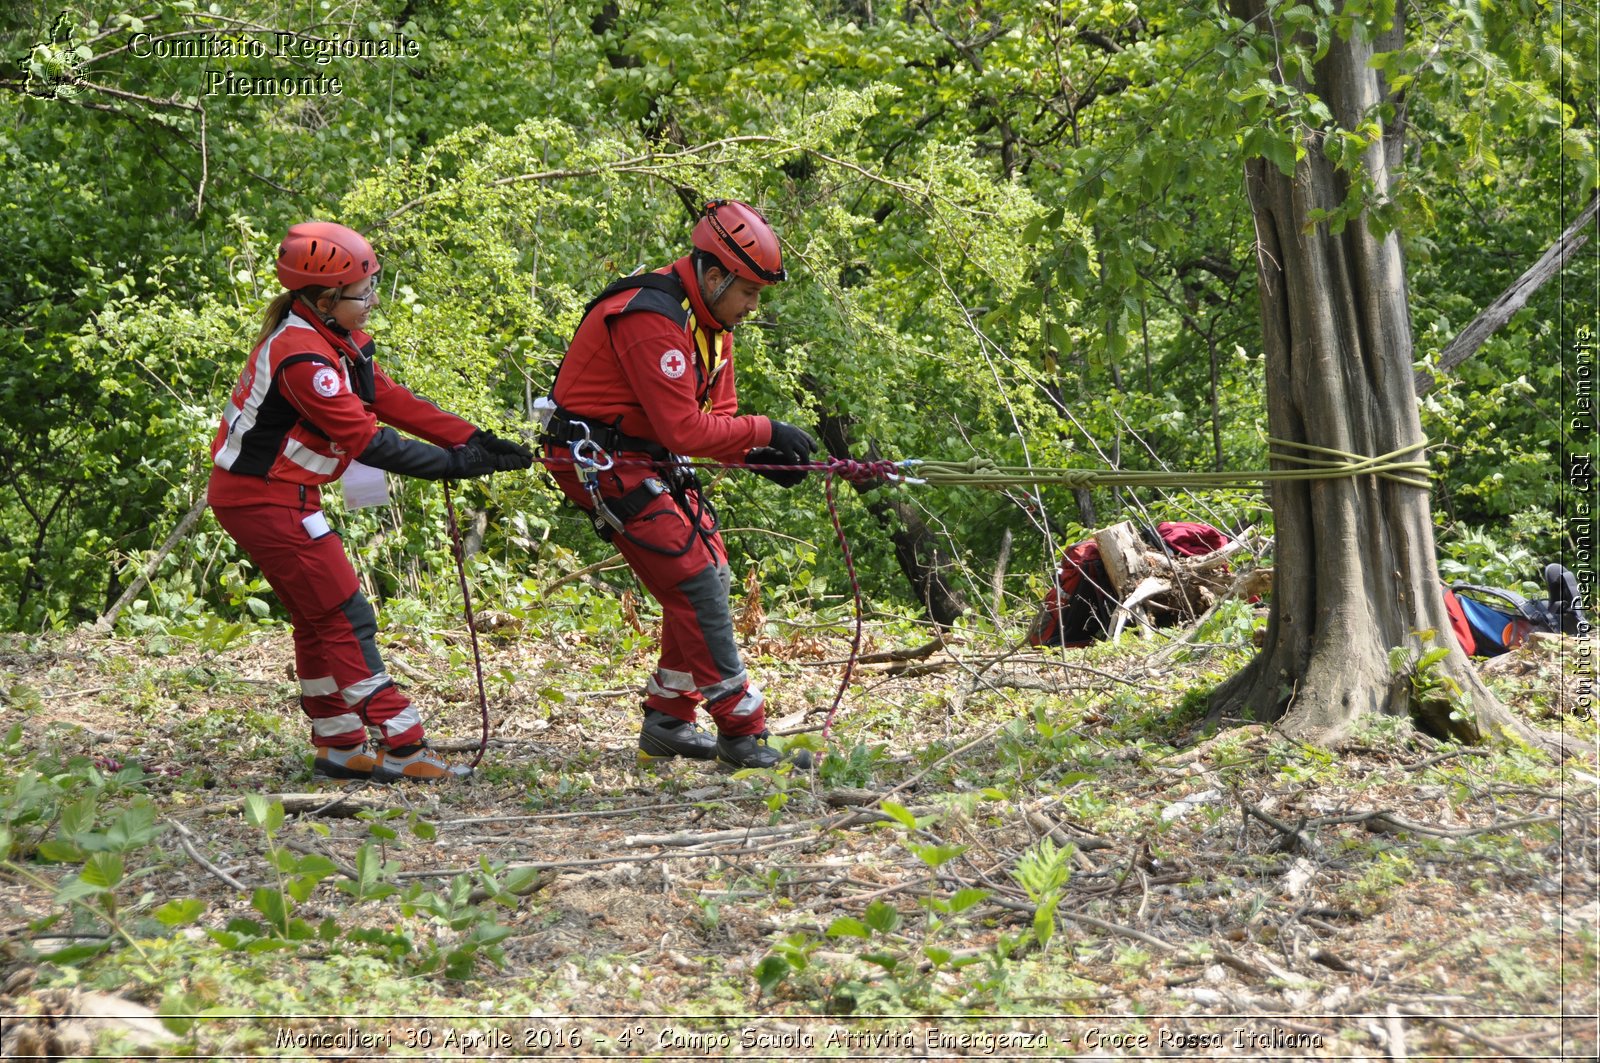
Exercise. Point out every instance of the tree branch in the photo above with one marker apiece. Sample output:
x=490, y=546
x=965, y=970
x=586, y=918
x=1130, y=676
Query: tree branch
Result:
x=1513, y=299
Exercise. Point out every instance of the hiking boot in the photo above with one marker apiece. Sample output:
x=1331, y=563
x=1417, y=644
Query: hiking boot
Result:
x=420, y=765
x=752, y=751
x=350, y=762
x=662, y=736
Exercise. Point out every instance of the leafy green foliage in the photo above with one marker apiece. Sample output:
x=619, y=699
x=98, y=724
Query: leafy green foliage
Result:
x=1020, y=235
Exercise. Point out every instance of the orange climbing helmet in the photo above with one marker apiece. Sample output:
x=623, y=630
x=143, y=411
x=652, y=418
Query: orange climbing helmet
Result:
x=324, y=254
x=739, y=237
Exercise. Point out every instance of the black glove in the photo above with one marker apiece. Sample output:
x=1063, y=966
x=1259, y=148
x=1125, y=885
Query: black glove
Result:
x=508, y=455
x=471, y=460
x=412, y=457
x=794, y=443
x=769, y=456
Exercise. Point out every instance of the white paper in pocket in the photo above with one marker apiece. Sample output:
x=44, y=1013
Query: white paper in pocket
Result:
x=364, y=486
x=316, y=525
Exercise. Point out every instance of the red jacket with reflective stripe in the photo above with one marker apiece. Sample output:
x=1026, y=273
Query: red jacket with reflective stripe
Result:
x=307, y=404
x=660, y=371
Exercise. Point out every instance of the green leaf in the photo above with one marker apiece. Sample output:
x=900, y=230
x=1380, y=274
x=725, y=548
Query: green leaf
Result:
x=770, y=971
x=1044, y=922
x=181, y=912
x=272, y=904
x=77, y=818
x=963, y=899
x=1057, y=336
x=133, y=828
x=520, y=880
x=259, y=812
x=1282, y=152
x=846, y=926
x=1432, y=657
x=76, y=953
x=881, y=916
x=59, y=852
x=900, y=814
x=937, y=855
x=103, y=870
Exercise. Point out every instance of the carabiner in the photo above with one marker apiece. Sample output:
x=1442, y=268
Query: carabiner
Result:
x=584, y=453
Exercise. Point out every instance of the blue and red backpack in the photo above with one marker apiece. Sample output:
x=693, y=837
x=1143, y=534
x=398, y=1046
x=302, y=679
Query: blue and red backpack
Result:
x=1488, y=621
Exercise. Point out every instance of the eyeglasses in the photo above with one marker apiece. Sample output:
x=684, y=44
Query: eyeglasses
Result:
x=365, y=300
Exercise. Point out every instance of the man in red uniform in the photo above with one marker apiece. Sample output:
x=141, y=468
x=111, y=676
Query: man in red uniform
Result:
x=648, y=377
x=306, y=405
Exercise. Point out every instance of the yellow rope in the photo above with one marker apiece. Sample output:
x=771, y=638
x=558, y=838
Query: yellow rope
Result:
x=984, y=472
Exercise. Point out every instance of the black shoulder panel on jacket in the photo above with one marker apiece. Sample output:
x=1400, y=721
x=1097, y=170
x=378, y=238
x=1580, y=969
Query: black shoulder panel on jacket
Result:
x=658, y=293
x=654, y=300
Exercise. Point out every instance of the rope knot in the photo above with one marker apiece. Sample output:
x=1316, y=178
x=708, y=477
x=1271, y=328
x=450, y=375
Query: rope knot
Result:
x=862, y=473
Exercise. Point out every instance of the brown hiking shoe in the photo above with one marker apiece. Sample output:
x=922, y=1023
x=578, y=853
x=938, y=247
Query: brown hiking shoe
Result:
x=421, y=765
x=353, y=762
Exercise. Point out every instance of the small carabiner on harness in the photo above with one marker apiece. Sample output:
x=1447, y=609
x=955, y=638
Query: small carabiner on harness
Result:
x=589, y=460
x=588, y=456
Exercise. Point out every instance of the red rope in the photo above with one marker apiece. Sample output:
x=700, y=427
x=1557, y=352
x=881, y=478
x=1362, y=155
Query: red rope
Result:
x=472, y=627
x=856, y=472
x=855, y=589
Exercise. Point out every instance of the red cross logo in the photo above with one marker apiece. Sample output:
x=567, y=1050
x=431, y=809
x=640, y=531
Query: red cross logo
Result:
x=673, y=364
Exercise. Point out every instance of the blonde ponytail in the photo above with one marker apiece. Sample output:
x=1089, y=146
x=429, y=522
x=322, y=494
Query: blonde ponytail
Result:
x=278, y=309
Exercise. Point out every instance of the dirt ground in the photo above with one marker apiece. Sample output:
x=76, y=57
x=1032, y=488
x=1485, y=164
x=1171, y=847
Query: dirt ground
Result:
x=1229, y=896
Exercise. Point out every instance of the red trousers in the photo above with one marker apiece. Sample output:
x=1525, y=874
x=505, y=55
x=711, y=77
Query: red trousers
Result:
x=344, y=688
x=673, y=546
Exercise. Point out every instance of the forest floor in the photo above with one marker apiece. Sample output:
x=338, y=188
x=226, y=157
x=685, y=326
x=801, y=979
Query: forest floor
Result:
x=1005, y=855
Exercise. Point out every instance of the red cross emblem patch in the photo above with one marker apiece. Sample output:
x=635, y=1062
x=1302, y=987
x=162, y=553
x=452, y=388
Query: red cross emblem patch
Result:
x=673, y=364
x=326, y=381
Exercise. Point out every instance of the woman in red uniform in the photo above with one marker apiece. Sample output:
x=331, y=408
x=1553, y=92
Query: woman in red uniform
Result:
x=306, y=406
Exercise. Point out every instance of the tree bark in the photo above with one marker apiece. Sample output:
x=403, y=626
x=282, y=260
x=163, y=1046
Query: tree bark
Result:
x=1355, y=557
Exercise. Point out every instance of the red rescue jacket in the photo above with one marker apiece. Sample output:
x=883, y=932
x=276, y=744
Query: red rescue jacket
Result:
x=660, y=369
x=307, y=404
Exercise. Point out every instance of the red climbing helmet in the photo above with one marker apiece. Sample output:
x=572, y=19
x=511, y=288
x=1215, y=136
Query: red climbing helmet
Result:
x=324, y=254
x=739, y=237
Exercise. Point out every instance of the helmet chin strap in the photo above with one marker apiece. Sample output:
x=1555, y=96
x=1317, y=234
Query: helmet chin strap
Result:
x=711, y=299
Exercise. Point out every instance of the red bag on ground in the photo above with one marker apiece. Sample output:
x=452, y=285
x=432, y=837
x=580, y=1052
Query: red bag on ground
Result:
x=1077, y=610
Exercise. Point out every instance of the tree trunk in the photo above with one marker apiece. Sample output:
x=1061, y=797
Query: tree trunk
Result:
x=1355, y=556
x=925, y=565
